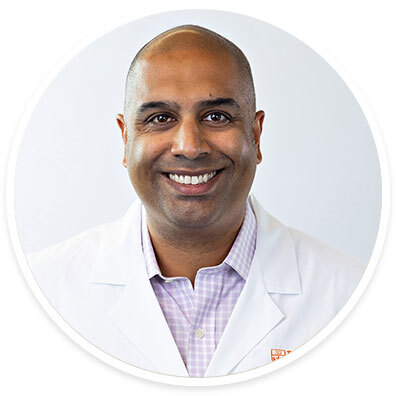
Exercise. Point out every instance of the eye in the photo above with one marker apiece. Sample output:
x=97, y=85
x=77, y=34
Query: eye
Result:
x=160, y=119
x=217, y=117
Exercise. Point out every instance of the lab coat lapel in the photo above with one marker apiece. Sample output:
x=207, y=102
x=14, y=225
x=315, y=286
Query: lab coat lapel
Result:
x=254, y=316
x=273, y=270
x=137, y=313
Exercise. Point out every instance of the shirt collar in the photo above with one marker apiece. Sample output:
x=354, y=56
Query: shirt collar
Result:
x=239, y=257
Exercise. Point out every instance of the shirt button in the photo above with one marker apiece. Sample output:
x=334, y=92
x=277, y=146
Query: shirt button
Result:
x=200, y=333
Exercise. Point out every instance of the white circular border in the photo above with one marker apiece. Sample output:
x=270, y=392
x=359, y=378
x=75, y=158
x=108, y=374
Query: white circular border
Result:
x=185, y=381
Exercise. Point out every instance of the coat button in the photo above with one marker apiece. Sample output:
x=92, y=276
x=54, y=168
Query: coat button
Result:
x=200, y=333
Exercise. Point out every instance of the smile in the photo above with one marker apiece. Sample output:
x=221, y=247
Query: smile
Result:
x=197, y=179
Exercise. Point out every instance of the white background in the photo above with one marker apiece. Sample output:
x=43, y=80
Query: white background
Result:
x=36, y=357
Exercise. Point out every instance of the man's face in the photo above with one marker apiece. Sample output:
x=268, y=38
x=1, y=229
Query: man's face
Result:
x=191, y=153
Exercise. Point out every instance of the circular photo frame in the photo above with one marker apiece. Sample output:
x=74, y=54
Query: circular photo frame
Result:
x=323, y=172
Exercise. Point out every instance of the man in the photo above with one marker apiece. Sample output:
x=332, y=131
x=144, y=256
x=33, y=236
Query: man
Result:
x=196, y=279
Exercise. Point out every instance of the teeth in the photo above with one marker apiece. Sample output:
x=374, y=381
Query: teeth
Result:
x=200, y=179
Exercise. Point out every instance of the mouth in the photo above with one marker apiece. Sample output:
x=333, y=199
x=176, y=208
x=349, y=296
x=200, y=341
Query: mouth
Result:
x=193, y=183
x=194, y=180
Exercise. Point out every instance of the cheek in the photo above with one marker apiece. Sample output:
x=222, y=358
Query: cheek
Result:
x=137, y=148
x=239, y=148
x=142, y=155
x=135, y=164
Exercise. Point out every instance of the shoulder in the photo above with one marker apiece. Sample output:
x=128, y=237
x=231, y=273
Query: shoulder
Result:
x=76, y=247
x=313, y=254
x=67, y=263
x=66, y=268
x=326, y=275
x=317, y=271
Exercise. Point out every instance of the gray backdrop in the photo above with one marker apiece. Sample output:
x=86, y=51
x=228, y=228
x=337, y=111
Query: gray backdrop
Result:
x=320, y=171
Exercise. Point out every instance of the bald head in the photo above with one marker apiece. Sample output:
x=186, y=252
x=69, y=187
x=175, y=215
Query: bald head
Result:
x=196, y=40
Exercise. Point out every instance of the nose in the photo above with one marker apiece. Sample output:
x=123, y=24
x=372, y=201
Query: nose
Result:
x=189, y=141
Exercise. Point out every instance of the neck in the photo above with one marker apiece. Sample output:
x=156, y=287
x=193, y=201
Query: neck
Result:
x=182, y=252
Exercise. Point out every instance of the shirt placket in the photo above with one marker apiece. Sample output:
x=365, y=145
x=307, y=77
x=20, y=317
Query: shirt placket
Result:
x=179, y=312
x=202, y=343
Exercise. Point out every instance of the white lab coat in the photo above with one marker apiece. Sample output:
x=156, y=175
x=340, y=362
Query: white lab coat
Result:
x=97, y=281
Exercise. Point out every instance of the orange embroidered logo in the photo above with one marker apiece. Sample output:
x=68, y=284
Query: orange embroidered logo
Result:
x=278, y=353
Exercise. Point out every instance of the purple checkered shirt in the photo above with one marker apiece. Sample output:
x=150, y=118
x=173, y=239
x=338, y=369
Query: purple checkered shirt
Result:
x=197, y=316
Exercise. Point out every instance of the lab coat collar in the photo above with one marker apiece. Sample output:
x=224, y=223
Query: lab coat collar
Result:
x=138, y=314
x=115, y=252
x=275, y=249
x=273, y=270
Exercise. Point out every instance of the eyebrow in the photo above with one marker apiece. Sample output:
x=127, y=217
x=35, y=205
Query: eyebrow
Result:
x=173, y=105
x=219, y=102
x=156, y=105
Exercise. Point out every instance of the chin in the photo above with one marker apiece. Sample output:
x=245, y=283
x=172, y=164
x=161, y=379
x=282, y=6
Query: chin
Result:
x=192, y=217
x=192, y=222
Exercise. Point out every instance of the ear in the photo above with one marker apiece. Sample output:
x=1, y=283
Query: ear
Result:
x=122, y=125
x=257, y=129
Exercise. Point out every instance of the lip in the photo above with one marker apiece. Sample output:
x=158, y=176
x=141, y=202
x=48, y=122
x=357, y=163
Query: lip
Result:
x=193, y=189
x=186, y=172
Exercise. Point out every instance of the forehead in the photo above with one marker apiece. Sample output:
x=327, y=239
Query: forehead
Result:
x=186, y=76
